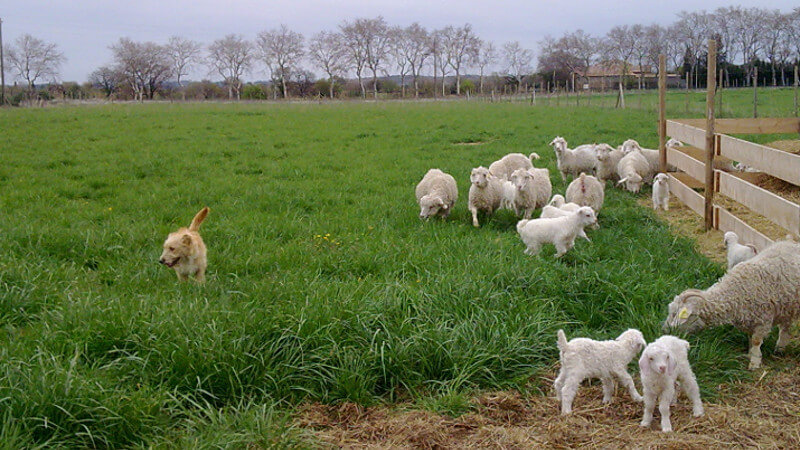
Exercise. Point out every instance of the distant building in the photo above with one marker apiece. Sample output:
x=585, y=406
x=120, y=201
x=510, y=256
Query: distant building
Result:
x=606, y=76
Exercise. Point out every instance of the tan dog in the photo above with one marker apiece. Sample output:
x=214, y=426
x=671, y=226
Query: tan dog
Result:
x=185, y=251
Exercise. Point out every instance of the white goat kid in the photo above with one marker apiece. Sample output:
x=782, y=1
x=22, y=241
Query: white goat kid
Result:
x=664, y=362
x=583, y=358
x=661, y=192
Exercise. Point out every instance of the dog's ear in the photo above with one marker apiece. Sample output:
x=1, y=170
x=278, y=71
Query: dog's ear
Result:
x=186, y=240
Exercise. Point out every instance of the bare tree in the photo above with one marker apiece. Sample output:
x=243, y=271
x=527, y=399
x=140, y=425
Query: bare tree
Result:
x=637, y=36
x=785, y=48
x=376, y=40
x=106, y=79
x=693, y=32
x=281, y=49
x=398, y=44
x=487, y=56
x=441, y=57
x=748, y=26
x=619, y=48
x=461, y=45
x=554, y=58
x=776, y=27
x=144, y=66
x=517, y=60
x=183, y=53
x=655, y=37
x=33, y=59
x=794, y=32
x=723, y=32
x=582, y=50
x=673, y=47
x=231, y=57
x=414, y=46
x=354, y=34
x=327, y=50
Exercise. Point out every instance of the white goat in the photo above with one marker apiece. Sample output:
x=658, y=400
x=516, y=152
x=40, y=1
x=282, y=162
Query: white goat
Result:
x=505, y=166
x=549, y=212
x=607, y=160
x=436, y=194
x=525, y=196
x=583, y=358
x=661, y=192
x=663, y=362
x=561, y=203
x=753, y=296
x=633, y=169
x=737, y=252
x=573, y=161
x=485, y=193
x=560, y=231
x=586, y=190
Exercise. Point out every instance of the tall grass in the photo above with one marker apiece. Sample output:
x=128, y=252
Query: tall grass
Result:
x=322, y=285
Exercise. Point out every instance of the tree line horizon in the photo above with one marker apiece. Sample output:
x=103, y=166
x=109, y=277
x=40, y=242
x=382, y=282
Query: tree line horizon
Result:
x=360, y=58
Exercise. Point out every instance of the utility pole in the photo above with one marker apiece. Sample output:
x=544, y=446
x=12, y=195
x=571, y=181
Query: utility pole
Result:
x=2, y=68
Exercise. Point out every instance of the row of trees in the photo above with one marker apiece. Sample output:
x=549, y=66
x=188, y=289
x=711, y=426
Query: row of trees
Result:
x=368, y=49
x=365, y=48
x=746, y=38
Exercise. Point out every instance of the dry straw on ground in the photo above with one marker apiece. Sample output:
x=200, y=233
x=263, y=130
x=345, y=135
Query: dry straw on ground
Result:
x=764, y=414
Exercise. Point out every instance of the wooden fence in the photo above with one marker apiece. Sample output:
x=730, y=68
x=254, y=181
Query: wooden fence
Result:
x=710, y=135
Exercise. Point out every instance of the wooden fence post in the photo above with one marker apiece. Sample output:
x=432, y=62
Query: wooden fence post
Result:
x=755, y=91
x=662, y=113
x=795, y=91
x=687, y=92
x=711, y=85
x=720, y=85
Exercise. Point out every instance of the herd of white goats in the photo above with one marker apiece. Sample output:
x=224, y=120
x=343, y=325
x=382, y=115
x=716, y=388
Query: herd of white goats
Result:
x=759, y=291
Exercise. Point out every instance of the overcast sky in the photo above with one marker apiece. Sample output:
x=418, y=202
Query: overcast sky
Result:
x=83, y=29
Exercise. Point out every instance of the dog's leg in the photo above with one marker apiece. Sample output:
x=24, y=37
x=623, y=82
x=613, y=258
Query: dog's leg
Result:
x=200, y=276
x=181, y=277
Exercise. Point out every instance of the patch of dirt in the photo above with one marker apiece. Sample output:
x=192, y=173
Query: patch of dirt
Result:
x=765, y=413
x=685, y=222
x=791, y=146
x=471, y=143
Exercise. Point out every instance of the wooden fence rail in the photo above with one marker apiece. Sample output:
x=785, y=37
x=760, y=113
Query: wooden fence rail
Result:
x=710, y=135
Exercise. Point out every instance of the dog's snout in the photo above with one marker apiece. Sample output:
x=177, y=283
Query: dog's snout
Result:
x=161, y=261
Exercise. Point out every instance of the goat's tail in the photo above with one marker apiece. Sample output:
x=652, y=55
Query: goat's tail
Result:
x=534, y=156
x=198, y=219
x=562, y=340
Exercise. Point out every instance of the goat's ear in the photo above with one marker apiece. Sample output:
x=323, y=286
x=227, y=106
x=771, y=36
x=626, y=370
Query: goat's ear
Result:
x=622, y=181
x=672, y=363
x=644, y=364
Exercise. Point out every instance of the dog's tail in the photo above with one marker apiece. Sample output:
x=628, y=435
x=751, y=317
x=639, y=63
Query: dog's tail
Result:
x=198, y=219
x=562, y=340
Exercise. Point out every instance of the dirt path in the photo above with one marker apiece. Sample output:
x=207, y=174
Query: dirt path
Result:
x=765, y=413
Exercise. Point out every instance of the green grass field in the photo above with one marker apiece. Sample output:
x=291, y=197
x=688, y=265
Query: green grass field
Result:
x=733, y=102
x=323, y=285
